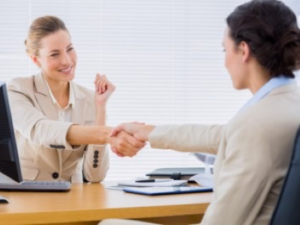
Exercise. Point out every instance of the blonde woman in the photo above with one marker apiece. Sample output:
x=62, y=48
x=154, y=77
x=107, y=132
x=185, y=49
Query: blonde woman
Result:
x=60, y=125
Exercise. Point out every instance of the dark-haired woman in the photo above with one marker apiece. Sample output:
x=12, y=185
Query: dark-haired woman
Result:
x=262, y=49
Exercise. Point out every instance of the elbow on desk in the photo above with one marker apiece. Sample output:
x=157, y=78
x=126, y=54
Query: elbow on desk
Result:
x=96, y=163
x=97, y=175
x=96, y=179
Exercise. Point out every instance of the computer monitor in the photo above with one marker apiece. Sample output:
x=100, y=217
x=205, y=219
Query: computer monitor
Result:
x=9, y=158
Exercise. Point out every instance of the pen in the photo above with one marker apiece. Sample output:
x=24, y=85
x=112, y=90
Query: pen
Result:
x=152, y=180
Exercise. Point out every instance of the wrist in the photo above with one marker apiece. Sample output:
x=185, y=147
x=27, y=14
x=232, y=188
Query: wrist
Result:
x=145, y=131
x=149, y=129
x=100, y=102
x=100, y=116
x=104, y=133
x=100, y=107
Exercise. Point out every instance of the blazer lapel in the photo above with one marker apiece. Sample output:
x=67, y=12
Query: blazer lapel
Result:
x=44, y=99
x=80, y=105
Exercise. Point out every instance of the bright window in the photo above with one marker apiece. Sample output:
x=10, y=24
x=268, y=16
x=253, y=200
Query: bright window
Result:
x=165, y=58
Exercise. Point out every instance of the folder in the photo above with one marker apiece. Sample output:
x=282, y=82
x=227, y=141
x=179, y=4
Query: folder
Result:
x=176, y=173
x=133, y=183
x=166, y=190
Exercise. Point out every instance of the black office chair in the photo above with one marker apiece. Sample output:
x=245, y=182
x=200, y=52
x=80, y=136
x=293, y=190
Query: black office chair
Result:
x=288, y=207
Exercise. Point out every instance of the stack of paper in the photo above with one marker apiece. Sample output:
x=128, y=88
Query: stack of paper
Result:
x=133, y=183
x=205, y=179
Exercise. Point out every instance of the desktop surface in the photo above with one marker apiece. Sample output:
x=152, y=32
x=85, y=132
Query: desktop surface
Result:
x=90, y=203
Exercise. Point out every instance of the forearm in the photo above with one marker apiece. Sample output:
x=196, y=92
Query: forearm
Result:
x=188, y=138
x=100, y=116
x=78, y=135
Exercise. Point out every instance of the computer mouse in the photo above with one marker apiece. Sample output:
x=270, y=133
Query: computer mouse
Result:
x=3, y=200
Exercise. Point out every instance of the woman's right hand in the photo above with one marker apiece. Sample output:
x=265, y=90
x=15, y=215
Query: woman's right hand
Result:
x=124, y=144
x=103, y=89
x=138, y=131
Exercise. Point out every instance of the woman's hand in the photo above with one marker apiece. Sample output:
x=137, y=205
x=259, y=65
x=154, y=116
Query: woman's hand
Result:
x=103, y=89
x=124, y=144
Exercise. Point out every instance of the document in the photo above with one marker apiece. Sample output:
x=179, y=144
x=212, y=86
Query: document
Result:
x=205, y=179
x=133, y=183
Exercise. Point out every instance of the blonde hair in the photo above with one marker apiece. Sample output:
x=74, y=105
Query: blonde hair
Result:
x=40, y=28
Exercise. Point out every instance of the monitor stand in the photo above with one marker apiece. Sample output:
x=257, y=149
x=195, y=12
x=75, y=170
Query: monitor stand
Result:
x=5, y=180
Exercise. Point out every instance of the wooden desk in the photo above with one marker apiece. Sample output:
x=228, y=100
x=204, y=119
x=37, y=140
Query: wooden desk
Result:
x=87, y=204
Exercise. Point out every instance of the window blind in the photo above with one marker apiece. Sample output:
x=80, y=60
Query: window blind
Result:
x=165, y=57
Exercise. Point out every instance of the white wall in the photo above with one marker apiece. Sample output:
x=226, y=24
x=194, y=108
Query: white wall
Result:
x=164, y=56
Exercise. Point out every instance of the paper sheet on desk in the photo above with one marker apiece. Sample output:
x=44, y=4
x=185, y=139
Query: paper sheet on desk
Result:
x=172, y=183
x=204, y=179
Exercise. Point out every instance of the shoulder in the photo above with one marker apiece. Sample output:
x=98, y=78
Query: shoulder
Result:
x=20, y=81
x=276, y=114
x=21, y=84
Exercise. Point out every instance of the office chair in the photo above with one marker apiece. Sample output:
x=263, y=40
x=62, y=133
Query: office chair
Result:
x=287, y=210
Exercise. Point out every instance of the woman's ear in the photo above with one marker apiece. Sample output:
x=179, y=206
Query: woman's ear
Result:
x=245, y=50
x=35, y=60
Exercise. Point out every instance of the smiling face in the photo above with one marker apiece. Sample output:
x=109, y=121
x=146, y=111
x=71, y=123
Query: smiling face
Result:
x=57, y=58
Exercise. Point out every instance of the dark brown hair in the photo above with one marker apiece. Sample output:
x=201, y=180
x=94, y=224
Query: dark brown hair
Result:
x=40, y=28
x=270, y=29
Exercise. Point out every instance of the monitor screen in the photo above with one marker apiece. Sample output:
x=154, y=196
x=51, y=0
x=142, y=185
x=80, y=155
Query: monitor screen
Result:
x=9, y=158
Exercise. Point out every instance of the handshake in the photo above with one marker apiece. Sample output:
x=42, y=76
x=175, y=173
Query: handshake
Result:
x=128, y=138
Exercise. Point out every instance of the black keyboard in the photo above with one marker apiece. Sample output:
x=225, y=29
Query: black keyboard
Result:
x=37, y=186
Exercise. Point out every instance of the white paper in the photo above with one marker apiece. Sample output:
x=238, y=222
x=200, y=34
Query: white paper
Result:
x=172, y=183
x=204, y=179
x=116, y=187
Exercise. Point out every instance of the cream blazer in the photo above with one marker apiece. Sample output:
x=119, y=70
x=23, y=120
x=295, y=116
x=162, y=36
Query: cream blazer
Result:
x=44, y=151
x=253, y=153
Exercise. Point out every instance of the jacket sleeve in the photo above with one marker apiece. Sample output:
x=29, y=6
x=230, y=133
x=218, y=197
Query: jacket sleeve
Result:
x=33, y=124
x=245, y=175
x=96, y=163
x=187, y=138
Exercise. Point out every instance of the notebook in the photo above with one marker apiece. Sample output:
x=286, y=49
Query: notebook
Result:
x=133, y=183
x=166, y=190
x=176, y=173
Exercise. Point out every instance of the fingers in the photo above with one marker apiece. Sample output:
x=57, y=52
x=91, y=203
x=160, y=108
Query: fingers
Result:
x=138, y=123
x=101, y=83
x=126, y=145
x=116, y=152
x=130, y=128
x=96, y=82
x=122, y=148
x=116, y=130
x=134, y=142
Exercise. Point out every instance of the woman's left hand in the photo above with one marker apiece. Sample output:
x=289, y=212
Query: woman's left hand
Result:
x=103, y=89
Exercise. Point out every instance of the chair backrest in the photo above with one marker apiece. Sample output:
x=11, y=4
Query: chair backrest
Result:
x=288, y=207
